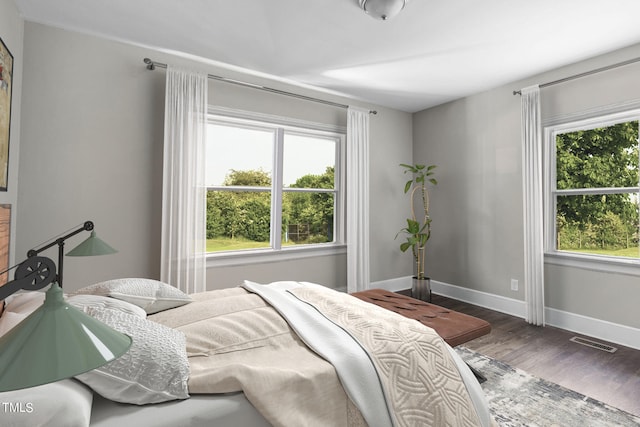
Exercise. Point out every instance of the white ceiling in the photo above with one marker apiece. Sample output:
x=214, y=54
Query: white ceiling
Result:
x=434, y=51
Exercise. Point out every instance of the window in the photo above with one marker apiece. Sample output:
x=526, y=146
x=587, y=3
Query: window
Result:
x=272, y=186
x=593, y=187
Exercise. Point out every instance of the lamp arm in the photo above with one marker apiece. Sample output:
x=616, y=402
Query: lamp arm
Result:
x=87, y=226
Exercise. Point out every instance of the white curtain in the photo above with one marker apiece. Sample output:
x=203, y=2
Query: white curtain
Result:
x=357, y=199
x=184, y=193
x=533, y=205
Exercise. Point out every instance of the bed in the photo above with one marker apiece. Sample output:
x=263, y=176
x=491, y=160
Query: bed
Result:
x=287, y=354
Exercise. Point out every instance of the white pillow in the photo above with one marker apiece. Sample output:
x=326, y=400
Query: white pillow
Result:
x=18, y=307
x=85, y=302
x=155, y=369
x=149, y=294
x=65, y=403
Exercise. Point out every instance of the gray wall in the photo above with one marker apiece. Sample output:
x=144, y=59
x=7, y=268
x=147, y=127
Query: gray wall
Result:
x=477, y=214
x=87, y=137
x=91, y=148
x=11, y=32
x=389, y=206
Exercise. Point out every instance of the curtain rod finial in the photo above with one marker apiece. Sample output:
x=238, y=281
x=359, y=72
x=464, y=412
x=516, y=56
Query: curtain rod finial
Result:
x=150, y=64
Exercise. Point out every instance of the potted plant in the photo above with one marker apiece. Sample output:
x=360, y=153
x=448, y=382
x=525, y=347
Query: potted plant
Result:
x=418, y=229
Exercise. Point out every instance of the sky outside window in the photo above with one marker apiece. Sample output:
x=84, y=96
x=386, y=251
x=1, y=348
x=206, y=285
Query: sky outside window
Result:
x=306, y=156
x=244, y=149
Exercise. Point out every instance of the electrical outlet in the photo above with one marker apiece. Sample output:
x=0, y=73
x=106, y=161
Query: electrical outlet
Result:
x=514, y=284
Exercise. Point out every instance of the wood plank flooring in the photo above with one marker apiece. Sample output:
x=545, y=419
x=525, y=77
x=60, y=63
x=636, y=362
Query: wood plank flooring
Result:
x=613, y=378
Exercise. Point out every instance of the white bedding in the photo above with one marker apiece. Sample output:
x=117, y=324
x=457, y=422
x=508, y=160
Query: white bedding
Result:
x=352, y=363
x=223, y=410
x=361, y=383
x=356, y=367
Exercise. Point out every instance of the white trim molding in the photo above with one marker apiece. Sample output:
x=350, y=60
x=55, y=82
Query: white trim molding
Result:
x=590, y=119
x=267, y=255
x=595, y=328
x=499, y=303
x=588, y=326
x=393, y=285
x=494, y=302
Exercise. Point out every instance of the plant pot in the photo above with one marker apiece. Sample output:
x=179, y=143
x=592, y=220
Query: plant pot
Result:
x=421, y=289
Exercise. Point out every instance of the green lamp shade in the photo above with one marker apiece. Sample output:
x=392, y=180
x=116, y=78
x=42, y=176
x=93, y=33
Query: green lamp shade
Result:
x=92, y=246
x=55, y=342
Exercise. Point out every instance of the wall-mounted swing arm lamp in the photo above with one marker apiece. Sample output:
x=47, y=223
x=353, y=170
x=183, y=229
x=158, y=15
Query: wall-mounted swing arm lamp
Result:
x=90, y=247
x=31, y=273
x=56, y=341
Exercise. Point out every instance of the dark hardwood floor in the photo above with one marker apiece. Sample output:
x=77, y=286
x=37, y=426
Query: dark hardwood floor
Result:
x=546, y=352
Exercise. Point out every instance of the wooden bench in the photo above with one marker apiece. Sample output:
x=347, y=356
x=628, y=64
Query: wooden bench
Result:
x=454, y=327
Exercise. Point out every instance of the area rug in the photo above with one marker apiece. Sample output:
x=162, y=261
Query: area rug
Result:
x=518, y=399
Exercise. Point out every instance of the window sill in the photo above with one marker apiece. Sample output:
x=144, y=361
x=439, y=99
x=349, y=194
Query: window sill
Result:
x=603, y=264
x=261, y=256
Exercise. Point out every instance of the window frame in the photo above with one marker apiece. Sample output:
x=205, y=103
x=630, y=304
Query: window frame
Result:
x=281, y=125
x=584, y=121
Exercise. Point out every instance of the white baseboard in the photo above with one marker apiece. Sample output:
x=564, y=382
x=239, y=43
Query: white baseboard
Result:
x=595, y=328
x=499, y=303
x=393, y=285
x=483, y=299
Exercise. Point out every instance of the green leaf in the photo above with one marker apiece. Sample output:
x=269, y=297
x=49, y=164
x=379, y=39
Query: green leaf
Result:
x=407, y=186
x=413, y=227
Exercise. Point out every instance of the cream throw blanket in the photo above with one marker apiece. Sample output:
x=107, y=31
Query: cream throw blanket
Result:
x=238, y=342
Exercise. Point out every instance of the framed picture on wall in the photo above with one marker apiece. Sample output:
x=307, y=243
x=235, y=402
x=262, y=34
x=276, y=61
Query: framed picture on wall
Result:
x=5, y=234
x=6, y=84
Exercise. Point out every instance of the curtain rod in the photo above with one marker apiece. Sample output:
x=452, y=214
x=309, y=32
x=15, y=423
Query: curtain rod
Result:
x=586, y=73
x=151, y=65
